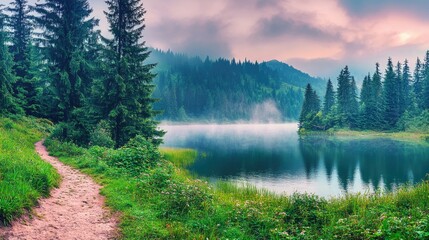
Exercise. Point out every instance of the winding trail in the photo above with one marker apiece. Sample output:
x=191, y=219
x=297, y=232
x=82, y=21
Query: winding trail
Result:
x=75, y=210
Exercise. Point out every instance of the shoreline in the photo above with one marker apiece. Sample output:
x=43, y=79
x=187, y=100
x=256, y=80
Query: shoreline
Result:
x=422, y=138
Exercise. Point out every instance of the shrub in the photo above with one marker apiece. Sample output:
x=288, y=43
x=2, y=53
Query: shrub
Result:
x=101, y=136
x=136, y=156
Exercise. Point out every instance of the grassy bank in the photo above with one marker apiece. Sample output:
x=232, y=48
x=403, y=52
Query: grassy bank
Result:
x=418, y=137
x=162, y=201
x=24, y=177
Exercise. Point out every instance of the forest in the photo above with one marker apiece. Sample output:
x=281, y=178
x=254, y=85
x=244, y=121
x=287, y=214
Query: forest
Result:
x=193, y=89
x=397, y=100
x=56, y=65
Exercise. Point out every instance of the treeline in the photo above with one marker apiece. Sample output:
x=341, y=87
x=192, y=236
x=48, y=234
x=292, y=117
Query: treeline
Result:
x=54, y=64
x=396, y=100
x=226, y=90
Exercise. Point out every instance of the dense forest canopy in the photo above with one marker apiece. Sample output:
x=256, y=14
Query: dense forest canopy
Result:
x=55, y=65
x=395, y=100
x=228, y=90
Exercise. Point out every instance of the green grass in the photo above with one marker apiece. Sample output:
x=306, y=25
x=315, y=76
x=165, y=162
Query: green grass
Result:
x=409, y=136
x=165, y=202
x=24, y=177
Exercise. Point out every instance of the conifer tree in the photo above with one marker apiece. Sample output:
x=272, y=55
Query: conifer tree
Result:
x=66, y=25
x=128, y=87
x=310, y=109
x=425, y=84
x=418, y=85
x=391, y=96
x=353, y=104
x=376, y=105
x=365, y=101
x=405, y=88
x=25, y=87
x=7, y=101
x=329, y=98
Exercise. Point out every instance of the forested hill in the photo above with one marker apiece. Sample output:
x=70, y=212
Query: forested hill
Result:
x=193, y=89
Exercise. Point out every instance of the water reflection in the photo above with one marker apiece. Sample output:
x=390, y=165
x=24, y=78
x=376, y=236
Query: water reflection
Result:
x=274, y=157
x=380, y=162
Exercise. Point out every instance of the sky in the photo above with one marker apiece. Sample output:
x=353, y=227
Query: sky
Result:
x=316, y=36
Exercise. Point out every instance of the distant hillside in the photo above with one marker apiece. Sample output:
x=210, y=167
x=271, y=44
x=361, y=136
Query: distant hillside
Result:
x=193, y=89
x=295, y=77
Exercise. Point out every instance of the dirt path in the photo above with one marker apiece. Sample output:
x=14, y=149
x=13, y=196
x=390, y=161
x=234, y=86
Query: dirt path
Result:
x=74, y=210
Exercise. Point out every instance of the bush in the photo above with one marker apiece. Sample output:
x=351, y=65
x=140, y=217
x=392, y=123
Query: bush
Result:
x=101, y=136
x=136, y=156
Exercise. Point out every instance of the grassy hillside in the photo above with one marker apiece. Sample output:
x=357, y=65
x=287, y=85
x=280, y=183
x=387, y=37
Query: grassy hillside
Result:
x=162, y=201
x=24, y=177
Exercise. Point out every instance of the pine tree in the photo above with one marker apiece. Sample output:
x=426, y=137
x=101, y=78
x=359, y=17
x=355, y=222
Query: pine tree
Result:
x=418, y=85
x=376, y=105
x=365, y=101
x=128, y=86
x=405, y=88
x=353, y=104
x=425, y=84
x=348, y=106
x=310, y=109
x=26, y=83
x=329, y=98
x=391, y=96
x=7, y=101
x=66, y=27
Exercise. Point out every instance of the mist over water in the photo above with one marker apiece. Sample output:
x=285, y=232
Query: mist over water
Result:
x=274, y=157
x=266, y=112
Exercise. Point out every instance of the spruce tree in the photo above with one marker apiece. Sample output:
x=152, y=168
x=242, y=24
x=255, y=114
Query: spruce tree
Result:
x=66, y=26
x=310, y=109
x=26, y=82
x=391, y=99
x=425, y=90
x=405, y=101
x=346, y=99
x=365, y=101
x=376, y=103
x=329, y=98
x=7, y=101
x=128, y=87
x=353, y=104
x=418, y=85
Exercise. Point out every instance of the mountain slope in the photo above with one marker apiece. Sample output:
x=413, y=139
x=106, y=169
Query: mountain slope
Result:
x=190, y=88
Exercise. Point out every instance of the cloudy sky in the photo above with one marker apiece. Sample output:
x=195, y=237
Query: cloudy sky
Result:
x=316, y=36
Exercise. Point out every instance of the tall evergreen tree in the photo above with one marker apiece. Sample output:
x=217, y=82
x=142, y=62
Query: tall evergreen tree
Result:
x=66, y=26
x=365, y=101
x=342, y=95
x=418, y=85
x=391, y=96
x=405, y=88
x=26, y=83
x=329, y=98
x=376, y=104
x=128, y=86
x=348, y=106
x=353, y=104
x=425, y=84
x=310, y=109
x=7, y=101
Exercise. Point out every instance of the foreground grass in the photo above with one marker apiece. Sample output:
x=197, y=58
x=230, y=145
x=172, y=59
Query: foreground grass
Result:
x=24, y=177
x=164, y=202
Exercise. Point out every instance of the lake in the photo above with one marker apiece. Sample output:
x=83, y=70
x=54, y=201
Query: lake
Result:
x=274, y=157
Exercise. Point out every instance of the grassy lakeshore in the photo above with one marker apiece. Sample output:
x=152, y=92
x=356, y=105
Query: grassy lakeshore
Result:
x=163, y=201
x=24, y=176
x=418, y=137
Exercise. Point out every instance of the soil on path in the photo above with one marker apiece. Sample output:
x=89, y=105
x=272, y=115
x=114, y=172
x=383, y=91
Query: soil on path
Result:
x=75, y=210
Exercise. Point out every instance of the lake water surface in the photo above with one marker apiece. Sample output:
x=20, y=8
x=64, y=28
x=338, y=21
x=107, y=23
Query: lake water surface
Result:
x=274, y=157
